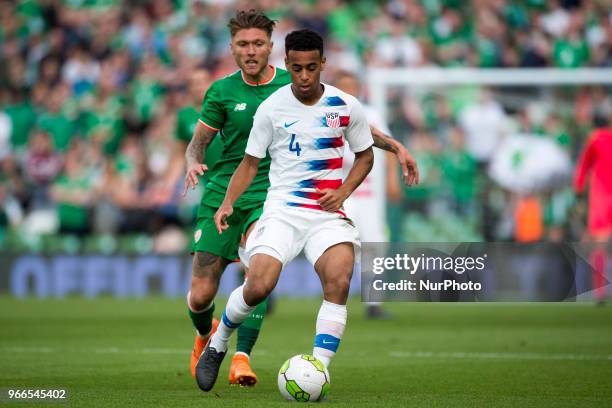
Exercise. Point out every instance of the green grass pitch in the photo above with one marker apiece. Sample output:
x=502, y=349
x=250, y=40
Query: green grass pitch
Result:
x=110, y=352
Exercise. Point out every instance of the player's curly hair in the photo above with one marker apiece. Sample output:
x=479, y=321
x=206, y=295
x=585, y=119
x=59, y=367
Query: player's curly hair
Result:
x=251, y=19
x=303, y=40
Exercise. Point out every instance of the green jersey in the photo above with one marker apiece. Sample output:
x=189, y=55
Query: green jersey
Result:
x=59, y=127
x=229, y=106
x=186, y=121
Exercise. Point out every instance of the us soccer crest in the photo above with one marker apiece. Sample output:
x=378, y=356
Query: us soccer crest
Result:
x=332, y=119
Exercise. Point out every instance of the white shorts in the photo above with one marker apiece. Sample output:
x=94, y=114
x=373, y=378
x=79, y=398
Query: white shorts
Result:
x=283, y=232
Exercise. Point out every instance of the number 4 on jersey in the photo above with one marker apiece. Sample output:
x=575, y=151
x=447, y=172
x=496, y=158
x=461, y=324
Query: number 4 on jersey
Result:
x=294, y=146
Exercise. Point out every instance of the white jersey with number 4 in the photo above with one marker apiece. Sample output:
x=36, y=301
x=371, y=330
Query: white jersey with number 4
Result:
x=306, y=143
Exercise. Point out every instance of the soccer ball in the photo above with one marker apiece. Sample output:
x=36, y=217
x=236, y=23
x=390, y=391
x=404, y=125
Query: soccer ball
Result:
x=303, y=378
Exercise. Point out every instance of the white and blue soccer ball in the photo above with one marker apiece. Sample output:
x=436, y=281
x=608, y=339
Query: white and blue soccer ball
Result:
x=303, y=378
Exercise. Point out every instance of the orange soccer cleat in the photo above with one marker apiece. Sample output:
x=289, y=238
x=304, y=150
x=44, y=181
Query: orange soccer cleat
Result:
x=198, y=346
x=241, y=372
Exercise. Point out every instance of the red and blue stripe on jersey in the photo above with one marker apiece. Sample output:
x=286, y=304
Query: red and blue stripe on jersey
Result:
x=325, y=164
x=328, y=142
x=320, y=184
x=334, y=101
x=331, y=164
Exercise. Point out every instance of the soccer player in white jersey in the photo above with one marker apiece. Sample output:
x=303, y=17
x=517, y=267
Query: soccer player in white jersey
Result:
x=304, y=126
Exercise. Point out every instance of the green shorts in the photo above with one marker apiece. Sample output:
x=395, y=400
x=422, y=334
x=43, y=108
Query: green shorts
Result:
x=207, y=239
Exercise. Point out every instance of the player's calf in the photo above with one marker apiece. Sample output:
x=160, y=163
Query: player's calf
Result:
x=335, y=268
x=206, y=273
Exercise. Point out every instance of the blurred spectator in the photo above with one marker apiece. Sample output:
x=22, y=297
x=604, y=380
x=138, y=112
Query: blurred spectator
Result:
x=11, y=212
x=570, y=50
x=80, y=70
x=54, y=120
x=73, y=192
x=483, y=123
x=528, y=220
x=557, y=20
x=41, y=166
x=131, y=189
x=6, y=127
x=535, y=49
x=397, y=49
x=460, y=171
x=12, y=179
x=103, y=111
x=22, y=117
x=426, y=150
x=449, y=34
x=146, y=91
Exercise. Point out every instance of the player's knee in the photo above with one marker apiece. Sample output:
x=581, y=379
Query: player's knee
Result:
x=201, y=296
x=255, y=291
x=338, y=287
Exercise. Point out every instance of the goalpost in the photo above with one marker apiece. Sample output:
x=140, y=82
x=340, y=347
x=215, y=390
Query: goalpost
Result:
x=380, y=80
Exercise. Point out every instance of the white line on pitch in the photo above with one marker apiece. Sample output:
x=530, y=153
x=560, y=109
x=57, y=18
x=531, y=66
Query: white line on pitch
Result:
x=469, y=355
x=498, y=356
x=106, y=350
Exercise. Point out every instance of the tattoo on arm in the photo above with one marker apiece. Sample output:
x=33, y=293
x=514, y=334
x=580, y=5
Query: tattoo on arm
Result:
x=383, y=141
x=196, y=150
x=383, y=144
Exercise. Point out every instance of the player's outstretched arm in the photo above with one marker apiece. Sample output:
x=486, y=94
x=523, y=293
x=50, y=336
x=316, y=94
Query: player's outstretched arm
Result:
x=332, y=200
x=240, y=181
x=195, y=155
x=409, y=166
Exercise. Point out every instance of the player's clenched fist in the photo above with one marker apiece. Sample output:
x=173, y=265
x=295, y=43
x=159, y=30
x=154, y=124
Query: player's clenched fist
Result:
x=331, y=200
x=221, y=217
x=194, y=171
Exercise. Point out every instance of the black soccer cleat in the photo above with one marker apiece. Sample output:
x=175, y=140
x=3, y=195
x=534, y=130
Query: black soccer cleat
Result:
x=208, y=366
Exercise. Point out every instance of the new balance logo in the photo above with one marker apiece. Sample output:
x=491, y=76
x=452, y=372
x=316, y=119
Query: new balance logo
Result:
x=240, y=107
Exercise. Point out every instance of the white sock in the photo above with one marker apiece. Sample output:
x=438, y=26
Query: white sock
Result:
x=330, y=327
x=236, y=311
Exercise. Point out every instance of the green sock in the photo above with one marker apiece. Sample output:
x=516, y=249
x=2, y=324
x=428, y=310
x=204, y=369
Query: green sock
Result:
x=249, y=329
x=202, y=320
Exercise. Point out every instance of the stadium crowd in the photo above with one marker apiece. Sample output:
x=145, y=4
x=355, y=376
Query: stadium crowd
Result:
x=89, y=91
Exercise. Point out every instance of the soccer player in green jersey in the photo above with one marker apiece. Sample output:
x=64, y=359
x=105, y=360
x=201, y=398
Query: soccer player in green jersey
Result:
x=228, y=109
x=186, y=121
